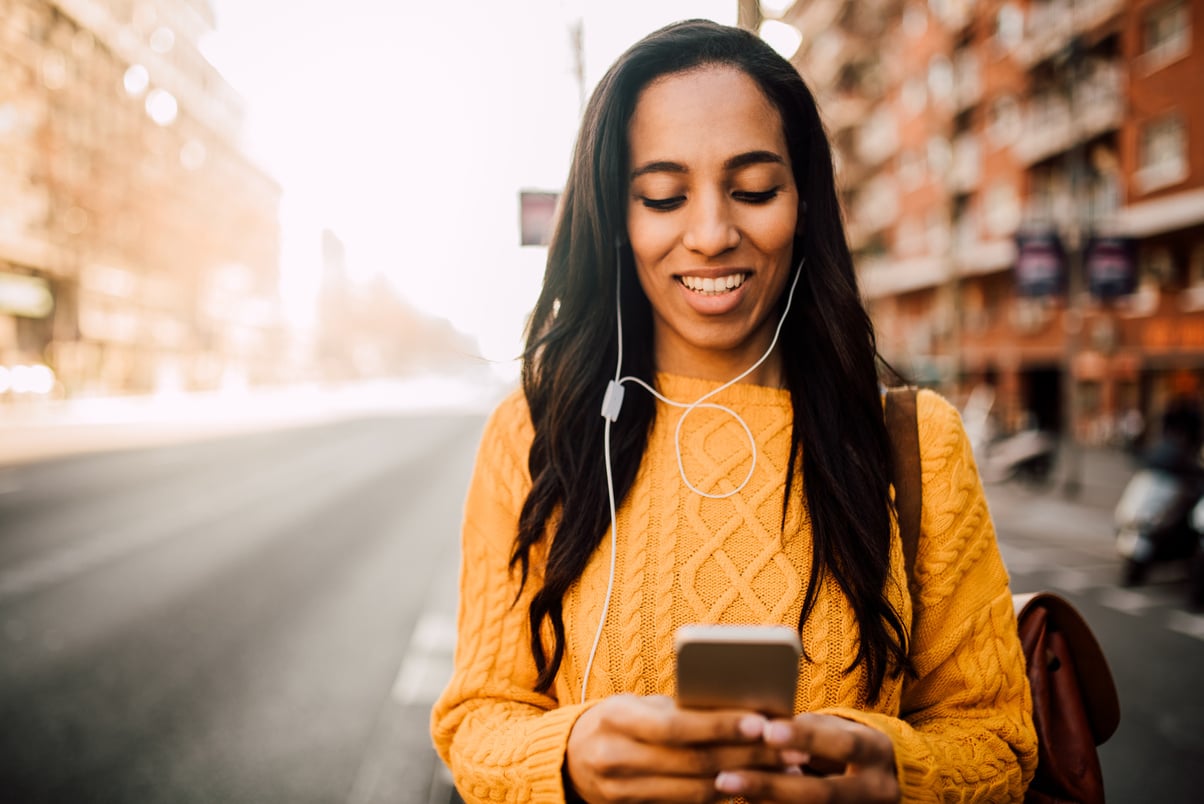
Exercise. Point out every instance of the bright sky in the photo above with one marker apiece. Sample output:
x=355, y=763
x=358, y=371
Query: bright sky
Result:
x=408, y=129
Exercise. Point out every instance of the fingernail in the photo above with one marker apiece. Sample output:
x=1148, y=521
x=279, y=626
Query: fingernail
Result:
x=729, y=783
x=752, y=726
x=777, y=733
x=793, y=757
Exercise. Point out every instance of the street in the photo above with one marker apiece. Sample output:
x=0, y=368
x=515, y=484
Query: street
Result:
x=267, y=617
x=231, y=620
x=1154, y=645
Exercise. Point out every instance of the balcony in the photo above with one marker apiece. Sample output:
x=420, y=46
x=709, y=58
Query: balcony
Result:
x=878, y=139
x=885, y=277
x=877, y=207
x=967, y=87
x=965, y=172
x=831, y=51
x=1049, y=27
x=1053, y=23
x=1049, y=129
x=1053, y=124
x=844, y=111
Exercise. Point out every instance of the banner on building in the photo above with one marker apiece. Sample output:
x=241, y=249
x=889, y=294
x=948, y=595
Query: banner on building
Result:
x=1040, y=264
x=1111, y=266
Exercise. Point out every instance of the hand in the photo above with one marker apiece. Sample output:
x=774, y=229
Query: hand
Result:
x=841, y=761
x=630, y=748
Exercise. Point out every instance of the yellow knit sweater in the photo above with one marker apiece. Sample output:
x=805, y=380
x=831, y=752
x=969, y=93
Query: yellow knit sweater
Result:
x=961, y=731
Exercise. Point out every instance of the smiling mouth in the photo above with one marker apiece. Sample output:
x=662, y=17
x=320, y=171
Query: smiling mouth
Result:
x=712, y=286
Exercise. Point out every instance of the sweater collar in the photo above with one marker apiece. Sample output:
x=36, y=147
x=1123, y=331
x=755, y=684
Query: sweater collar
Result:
x=687, y=389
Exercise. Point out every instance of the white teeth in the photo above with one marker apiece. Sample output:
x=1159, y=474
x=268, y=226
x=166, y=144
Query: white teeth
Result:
x=714, y=286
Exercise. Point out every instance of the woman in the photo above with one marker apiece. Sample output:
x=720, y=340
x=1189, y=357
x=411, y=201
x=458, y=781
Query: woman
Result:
x=699, y=219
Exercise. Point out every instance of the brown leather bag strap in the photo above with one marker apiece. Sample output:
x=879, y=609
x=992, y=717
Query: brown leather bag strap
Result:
x=904, y=432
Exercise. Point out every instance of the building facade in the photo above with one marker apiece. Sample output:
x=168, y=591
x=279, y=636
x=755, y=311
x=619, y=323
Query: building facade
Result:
x=139, y=248
x=1023, y=182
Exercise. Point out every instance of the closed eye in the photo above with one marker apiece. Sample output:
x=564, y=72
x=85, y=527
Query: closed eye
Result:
x=749, y=197
x=663, y=204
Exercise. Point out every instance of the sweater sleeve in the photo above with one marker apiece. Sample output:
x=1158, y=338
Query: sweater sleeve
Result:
x=502, y=740
x=965, y=732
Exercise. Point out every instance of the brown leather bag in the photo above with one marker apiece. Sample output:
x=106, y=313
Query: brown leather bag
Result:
x=1075, y=707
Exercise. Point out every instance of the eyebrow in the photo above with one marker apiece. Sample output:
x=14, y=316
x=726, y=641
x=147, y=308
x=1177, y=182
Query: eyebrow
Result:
x=734, y=163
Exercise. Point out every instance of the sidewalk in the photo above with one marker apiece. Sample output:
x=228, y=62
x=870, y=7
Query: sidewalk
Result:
x=1102, y=474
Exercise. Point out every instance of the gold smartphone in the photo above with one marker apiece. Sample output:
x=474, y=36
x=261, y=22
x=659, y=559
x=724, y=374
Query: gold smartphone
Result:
x=738, y=667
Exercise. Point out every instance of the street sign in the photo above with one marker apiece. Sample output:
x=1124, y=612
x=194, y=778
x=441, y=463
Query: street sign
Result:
x=1111, y=265
x=1040, y=264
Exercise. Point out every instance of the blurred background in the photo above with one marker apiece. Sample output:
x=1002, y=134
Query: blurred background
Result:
x=265, y=265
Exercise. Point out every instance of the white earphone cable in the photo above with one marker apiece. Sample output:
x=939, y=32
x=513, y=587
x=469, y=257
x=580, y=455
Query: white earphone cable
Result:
x=613, y=401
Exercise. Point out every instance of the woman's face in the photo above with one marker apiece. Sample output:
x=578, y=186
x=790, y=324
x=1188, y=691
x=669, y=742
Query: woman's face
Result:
x=711, y=215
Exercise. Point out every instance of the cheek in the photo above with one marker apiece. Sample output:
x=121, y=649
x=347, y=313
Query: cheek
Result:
x=651, y=237
x=784, y=227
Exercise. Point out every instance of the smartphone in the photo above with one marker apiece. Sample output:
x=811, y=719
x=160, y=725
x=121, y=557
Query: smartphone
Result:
x=738, y=667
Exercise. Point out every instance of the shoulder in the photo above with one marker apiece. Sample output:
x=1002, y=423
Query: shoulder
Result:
x=940, y=427
x=508, y=430
x=511, y=414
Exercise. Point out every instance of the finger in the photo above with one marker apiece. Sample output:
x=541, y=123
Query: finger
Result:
x=831, y=738
x=617, y=757
x=871, y=787
x=660, y=788
x=658, y=720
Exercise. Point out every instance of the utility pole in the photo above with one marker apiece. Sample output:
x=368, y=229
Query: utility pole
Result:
x=1073, y=316
x=748, y=15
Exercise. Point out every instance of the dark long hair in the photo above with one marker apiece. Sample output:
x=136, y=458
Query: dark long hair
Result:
x=828, y=352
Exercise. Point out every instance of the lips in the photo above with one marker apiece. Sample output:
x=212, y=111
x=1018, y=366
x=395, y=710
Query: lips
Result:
x=713, y=292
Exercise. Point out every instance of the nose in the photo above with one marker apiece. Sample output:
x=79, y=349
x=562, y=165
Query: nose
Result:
x=710, y=227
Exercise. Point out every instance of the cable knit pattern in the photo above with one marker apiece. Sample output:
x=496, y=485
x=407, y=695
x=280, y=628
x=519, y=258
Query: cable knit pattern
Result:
x=961, y=729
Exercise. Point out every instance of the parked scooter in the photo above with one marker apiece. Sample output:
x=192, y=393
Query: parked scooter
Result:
x=1155, y=518
x=1027, y=455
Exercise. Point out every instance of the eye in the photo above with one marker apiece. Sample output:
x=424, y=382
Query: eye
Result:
x=750, y=197
x=663, y=204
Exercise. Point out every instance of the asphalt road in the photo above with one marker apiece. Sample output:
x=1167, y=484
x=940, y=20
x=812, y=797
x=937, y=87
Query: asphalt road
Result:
x=260, y=618
x=268, y=617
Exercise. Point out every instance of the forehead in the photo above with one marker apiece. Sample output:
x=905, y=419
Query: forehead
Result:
x=707, y=112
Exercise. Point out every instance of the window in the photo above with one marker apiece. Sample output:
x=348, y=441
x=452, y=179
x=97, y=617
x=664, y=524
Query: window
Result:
x=1002, y=209
x=1195, y=265
x=1162, y=153
x=1157, y=267
x=915, y=95
x=1166, y=34
x=940, y=78
x=909, y=239
x=1003, y=121
x=915, y=21
x=940, y=155
x=911, y=169
x=1009, y=26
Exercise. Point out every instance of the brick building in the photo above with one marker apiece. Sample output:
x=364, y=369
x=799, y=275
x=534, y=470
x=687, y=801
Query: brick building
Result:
x=965, y=127
x=139, y=248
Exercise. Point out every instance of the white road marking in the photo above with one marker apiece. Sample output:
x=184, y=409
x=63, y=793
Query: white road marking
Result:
x=428, y=660
x=1072, y=580
x=1018, y=560
x=1185, y=623
x=1126, y=600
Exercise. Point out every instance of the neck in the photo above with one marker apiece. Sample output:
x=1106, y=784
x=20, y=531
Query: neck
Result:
x=723, y=366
